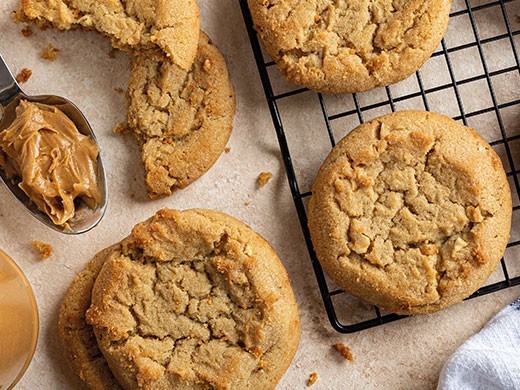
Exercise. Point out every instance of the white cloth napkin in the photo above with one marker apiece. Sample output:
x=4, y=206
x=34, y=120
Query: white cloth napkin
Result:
x=488, y=360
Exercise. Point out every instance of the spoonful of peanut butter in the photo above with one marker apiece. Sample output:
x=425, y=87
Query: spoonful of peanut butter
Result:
x=49, y=158
x=54, y=161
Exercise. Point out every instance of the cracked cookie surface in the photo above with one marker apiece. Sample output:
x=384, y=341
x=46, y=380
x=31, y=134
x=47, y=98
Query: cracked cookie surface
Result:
x=171, y=25
x=339, y=46
x=194, y=299
x=181, y=120
x=411, y=212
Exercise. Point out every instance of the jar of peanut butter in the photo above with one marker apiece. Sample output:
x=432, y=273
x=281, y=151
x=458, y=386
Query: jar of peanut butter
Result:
x=18, y=322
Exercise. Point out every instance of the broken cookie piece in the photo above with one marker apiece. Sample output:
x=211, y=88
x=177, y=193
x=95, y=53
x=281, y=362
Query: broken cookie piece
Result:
x=182, y=121
x=171, y=27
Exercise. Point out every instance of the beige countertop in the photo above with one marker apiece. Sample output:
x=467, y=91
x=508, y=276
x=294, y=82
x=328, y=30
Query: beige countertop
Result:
x=407, y=354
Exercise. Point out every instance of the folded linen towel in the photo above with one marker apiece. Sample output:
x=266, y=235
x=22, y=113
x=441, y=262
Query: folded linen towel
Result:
x=488, y=360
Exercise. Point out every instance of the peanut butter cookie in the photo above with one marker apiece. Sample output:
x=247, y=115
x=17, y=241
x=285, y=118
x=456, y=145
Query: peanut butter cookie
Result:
x=349, y=46
x=192, y=299
x=181, y=120
x=411, y=212
x=77, y=337
x=173, y=25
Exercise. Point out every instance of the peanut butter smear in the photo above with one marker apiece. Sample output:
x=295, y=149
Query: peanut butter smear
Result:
x=54, y=161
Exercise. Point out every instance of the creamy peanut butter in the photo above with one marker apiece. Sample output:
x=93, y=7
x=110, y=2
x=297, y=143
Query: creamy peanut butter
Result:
x=54, y=161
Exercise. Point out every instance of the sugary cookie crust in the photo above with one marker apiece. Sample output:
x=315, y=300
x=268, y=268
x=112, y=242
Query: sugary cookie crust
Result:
x=181, y=120
x=195, y=299
x=349, y=46
x=411, y=212
x=171, y=25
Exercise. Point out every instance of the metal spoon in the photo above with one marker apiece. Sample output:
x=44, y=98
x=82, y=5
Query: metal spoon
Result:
x=10, y=95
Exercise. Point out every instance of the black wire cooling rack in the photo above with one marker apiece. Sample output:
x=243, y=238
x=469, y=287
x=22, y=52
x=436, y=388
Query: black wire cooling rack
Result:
x=477, y=52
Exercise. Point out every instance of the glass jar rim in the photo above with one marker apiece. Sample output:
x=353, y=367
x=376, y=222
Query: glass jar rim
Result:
x=34, y=309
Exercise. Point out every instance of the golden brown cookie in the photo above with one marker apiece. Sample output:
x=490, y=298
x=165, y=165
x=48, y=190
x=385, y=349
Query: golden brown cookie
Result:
x=411, y=212
x=349, y=46
x=77, y=337
x=172, y=25
x=192, y=299
x=181, y=120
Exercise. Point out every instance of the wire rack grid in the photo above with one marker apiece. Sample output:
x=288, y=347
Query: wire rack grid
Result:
x=473, y=58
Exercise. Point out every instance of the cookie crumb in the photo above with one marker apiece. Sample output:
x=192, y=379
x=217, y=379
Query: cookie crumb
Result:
x=118, y=90
x=248, y=203
x=50, y=53
x=44, y=249
x=344, y=350
x=264, y=178
x=121, y=128
x=112, y=53
x=27, y=31
x=227, y=150
x=207, y=65
x=24, y=76
x=312, y=379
